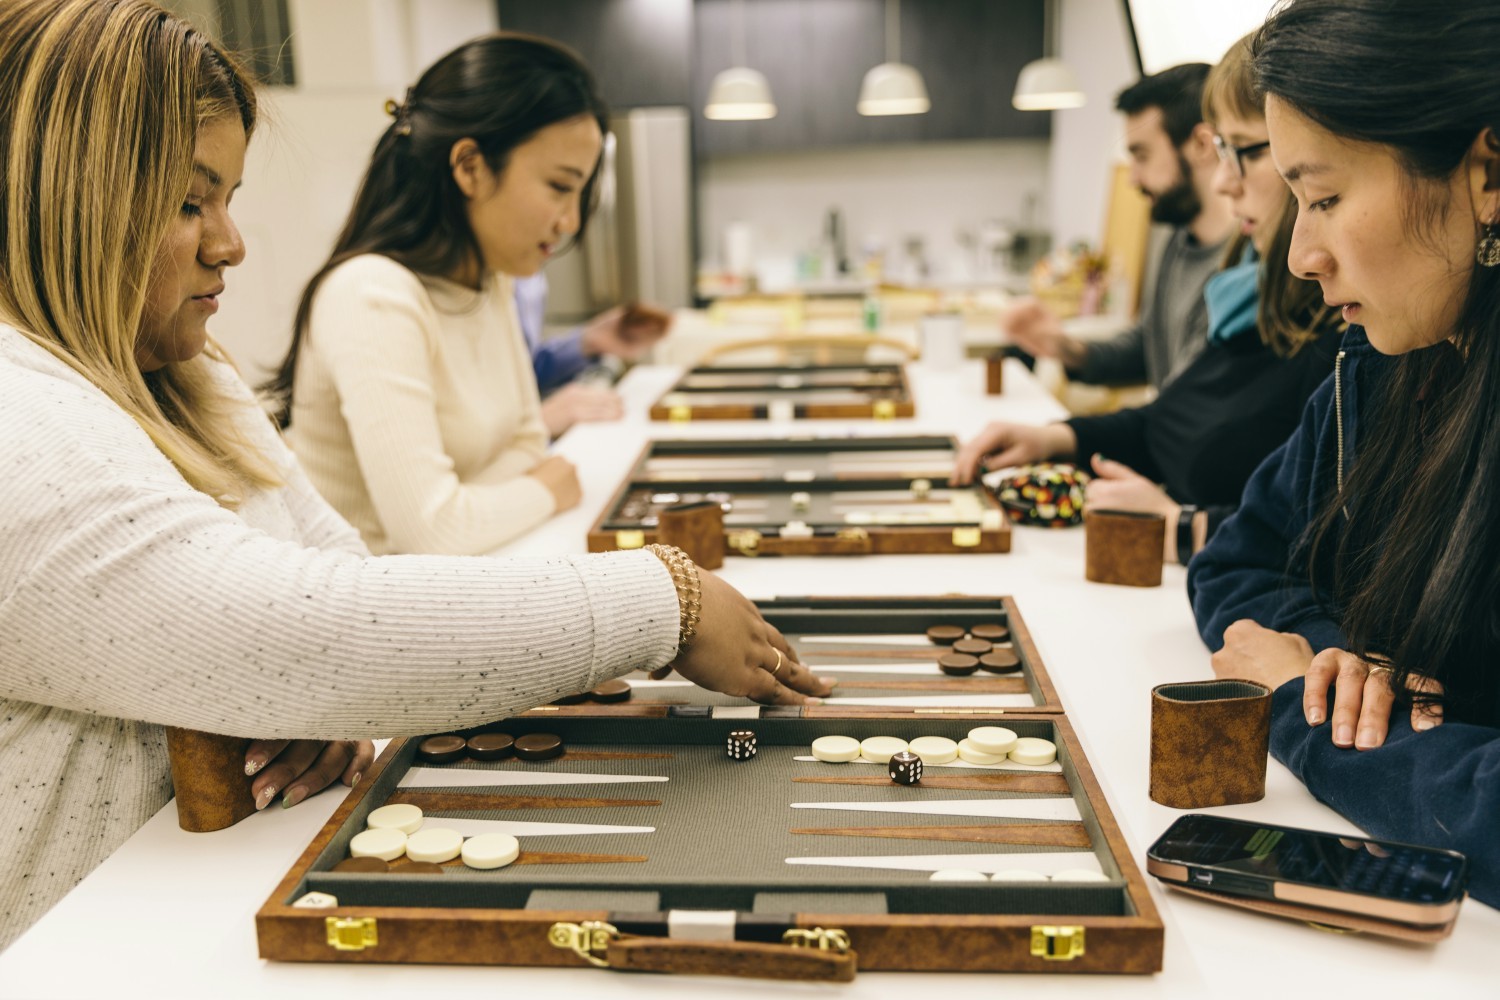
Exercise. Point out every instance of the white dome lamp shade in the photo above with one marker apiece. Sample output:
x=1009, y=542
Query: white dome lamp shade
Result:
x=893, y=87
x=740, y=94
x=1047, y=84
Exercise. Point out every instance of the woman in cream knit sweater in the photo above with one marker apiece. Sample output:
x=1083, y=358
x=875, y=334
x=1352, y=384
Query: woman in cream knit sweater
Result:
x=409, y=386
x=163, y=560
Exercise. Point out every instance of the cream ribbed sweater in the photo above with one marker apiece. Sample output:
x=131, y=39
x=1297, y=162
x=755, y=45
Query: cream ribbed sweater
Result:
x=129, y=601
x=416, y=411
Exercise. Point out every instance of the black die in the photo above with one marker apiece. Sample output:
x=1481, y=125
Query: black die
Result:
x=741, y=745
x=905, y=768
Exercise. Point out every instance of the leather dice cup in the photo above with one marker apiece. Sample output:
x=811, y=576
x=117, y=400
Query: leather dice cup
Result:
x=695, y=528
x=1209, y=741
x=1124, y=547
x=208, y=779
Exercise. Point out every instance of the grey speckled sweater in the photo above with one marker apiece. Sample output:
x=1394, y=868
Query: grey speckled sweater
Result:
x=129, y=601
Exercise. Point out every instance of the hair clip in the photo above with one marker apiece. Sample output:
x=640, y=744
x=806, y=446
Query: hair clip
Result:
x=400, y=112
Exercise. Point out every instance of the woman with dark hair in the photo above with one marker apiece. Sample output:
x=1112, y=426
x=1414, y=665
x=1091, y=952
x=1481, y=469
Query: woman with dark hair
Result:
x=408, y=389
x=1366, y=554
x=1270, y=342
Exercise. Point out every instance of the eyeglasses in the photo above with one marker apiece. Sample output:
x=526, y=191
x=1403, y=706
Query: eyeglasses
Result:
x=1235, y=155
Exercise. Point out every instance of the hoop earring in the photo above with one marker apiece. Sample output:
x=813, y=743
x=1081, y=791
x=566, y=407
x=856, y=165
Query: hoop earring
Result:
x=1487, y=252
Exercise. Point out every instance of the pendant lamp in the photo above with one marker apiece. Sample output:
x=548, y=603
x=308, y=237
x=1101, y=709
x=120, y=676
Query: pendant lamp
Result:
x=1047, y=84
x=739, y=94
x=893, y=88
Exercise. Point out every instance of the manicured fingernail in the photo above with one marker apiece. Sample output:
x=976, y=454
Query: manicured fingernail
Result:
x=1343, y=735
x=264, y=798
x=253, y=765
x=355, y=780
x=830, y=681
x=814, y=701
x=293, y=796
x=1314, y=716
x=1366, y=739
x=1424, y=724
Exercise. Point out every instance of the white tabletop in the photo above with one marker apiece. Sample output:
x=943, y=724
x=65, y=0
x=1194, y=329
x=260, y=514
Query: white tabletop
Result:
x=172, y=914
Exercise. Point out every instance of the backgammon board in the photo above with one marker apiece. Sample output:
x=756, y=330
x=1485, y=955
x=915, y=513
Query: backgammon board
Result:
x=810, y=496
x=787, y=392
x=728, y=839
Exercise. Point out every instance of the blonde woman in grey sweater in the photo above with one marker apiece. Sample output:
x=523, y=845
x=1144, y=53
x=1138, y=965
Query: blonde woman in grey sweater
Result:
x=163, y=560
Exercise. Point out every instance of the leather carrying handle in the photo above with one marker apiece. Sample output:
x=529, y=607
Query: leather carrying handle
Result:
x=749, y=959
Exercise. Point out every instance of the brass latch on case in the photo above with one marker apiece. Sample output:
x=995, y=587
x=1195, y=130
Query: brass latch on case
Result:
x=1061, y=943
x=824, y=939
x=630, y=538
x=967, y=537
x=588, y=940
x=746, y=541
x=351, y=933
x=680, y=414
x=884, y=409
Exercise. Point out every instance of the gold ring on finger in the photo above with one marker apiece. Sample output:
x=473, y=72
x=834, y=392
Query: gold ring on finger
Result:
x=779, y=663
x=1379, y=669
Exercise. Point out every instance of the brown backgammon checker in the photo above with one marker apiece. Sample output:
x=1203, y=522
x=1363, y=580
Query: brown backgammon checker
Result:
x=490, y=746
x=957, y=664
x=538, y=746
x=418, y=868
x=577, y=698
x=1000, y=661
x=945, y=635
x=972, y=647
x=695, y=528
x=366, y=865
x=442, y=749
x=612, y=691
x=1124, y=547
x=994, y=374
x=990, y=632
x=209, y=779
x=1209, y=742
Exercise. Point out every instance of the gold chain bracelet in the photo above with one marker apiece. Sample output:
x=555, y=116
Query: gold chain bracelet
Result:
x=689, y=590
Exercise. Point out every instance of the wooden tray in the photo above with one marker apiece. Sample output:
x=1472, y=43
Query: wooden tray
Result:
x=787, y=392
x=810, y=496
x=728, y=866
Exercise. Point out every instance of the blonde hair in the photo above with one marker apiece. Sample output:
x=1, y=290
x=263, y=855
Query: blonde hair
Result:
x=102, y=102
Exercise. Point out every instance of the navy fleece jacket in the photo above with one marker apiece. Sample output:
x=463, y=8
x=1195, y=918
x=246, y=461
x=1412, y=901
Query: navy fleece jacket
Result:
x=1439, y=788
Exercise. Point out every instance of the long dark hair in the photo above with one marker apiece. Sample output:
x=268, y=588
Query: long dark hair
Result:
x=499, y=90
x=1413, y=569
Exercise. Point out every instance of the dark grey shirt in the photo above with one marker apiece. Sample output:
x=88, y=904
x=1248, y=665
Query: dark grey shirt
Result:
x=1173, y=328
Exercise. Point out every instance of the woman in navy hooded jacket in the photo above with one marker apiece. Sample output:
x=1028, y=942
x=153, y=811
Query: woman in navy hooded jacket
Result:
x=1365, y=557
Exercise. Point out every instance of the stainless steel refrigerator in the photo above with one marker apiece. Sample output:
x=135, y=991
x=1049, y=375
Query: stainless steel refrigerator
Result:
x=639, y=242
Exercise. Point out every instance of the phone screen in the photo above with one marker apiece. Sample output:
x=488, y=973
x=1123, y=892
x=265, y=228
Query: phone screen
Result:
x=1349, y=864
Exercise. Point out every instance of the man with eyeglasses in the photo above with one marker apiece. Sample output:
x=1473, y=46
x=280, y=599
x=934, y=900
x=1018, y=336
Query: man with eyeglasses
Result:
x=1172, y=161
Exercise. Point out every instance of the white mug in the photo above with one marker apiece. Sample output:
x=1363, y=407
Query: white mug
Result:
x=942, y=340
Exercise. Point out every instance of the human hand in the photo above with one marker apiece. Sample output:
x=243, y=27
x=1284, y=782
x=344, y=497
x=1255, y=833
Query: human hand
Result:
x=1036, y=330
x=1253, y=652
x=625, y=331
x=1362, y=700
x=1116, y=486
x=299, y=768
x=735, y=651
x=1001, y=445
x=560, y=477
x=578, y=403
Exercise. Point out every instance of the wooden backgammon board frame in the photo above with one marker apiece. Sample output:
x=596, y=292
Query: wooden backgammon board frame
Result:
x=677, y=404
x=993, y=535
x=1109, y=926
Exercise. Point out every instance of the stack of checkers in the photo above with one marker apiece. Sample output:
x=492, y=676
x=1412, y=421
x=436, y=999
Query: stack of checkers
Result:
x=451, y=747
x=610, y=691
x=905, y=760
x=974, y=649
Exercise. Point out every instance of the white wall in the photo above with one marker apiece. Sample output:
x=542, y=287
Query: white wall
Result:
x=312, y=147
x=1093, y=39
x=932, y=190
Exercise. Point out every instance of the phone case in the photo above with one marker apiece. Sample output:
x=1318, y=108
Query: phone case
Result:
x=1337, y=921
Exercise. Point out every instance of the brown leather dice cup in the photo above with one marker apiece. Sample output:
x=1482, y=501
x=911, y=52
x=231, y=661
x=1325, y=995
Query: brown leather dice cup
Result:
x=209, y=779
x=994, y=374
x=695, y=528
x=1123, y=547
x=1208, y=743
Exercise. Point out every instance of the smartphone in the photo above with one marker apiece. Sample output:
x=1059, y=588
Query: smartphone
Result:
x=1422, y=886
